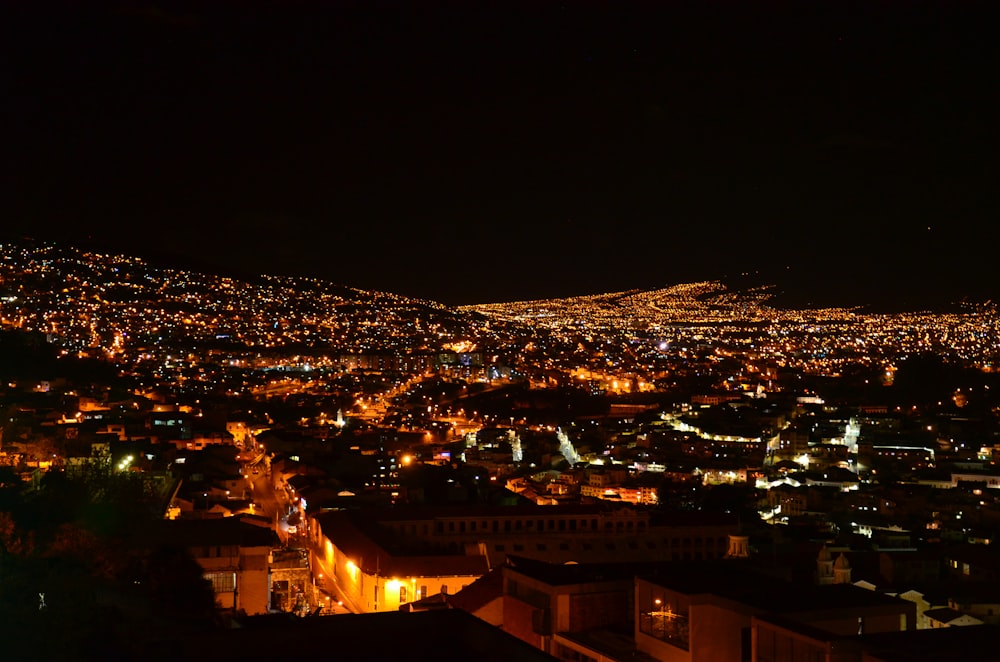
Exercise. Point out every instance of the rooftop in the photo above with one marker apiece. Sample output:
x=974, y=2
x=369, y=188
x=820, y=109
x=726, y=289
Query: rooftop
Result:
x=968, y=644
x=733, y=581
x=437, y=635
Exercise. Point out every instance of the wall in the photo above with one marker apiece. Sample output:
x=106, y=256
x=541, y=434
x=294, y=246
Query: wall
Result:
x=359, y=585
x=252, y=581
x=717, y=633
x=519, y=620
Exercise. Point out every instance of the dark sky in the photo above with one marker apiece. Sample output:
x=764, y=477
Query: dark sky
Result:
x=471, y=152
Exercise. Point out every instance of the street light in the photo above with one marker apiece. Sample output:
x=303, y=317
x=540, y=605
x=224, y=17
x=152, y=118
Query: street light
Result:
x=659, y=612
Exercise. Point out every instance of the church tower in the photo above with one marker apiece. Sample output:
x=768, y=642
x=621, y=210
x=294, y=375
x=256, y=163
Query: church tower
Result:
x=841, y=570
x=824, y=567
x=739, y=547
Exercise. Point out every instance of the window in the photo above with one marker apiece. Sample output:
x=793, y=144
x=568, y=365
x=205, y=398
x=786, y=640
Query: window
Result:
x=402, y=593
x=498, y=548
x=422, y=593
x=444, y=589
x=541, y=547
x=222, y=582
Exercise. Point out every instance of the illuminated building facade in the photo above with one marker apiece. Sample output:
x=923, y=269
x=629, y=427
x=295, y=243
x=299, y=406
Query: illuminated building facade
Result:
x=375, y=577
x=387, y=558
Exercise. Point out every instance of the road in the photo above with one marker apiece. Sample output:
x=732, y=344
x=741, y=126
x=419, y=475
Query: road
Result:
x=328, y=586
x=267, y=503
x=271, y=504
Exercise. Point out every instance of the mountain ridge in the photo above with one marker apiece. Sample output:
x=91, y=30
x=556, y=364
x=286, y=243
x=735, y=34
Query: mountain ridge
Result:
x=785, y=289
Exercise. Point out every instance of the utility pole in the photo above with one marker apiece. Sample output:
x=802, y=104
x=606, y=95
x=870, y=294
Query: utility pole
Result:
x=376, y=581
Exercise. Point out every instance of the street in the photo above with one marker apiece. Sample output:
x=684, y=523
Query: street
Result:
x=273, y=505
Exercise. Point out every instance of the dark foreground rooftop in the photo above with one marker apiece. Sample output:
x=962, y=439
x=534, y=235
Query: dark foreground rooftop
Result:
x=977, y=643
x=438, y=636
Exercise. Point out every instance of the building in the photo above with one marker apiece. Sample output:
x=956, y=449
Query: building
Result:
x=778, y=639
x=572, y=611
x=291, y=582
x=559, y=534
x=441, y=549
x=945, y=617
x=692, y=612
x=377, y=575
x=233, y=554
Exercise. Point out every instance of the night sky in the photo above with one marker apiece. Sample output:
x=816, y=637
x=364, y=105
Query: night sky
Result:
x=471, y=152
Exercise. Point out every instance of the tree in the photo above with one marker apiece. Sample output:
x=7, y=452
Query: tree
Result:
x=179, y=592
